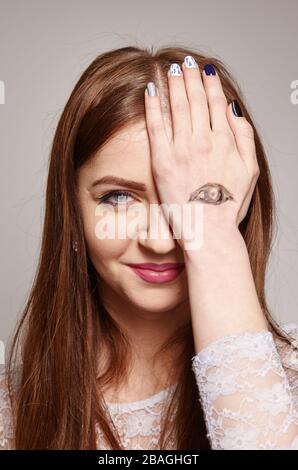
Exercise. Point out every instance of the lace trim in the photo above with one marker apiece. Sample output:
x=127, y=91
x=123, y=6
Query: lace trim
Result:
x=245, y=393
x=135, y=405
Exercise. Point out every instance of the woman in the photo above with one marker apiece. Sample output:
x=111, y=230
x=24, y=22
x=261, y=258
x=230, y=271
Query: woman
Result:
x=118, y=355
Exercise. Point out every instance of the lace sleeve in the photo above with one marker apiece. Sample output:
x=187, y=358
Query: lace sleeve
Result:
x=245, y=393
x=6, y=427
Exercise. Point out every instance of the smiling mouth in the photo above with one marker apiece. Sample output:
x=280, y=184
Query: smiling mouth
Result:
x=156, y=274
x=157, y=267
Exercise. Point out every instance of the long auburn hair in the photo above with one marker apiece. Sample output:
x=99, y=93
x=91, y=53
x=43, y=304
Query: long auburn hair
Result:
x=58, y=400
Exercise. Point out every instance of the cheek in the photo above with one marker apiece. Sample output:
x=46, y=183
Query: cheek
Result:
x=106, y=237
x=102, y=245
x=105, y=256
x=106, y=250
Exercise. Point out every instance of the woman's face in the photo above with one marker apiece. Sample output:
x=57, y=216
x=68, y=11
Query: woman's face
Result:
x=127, y=156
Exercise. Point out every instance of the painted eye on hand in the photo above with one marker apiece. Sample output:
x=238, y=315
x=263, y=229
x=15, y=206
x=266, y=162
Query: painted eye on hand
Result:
x=211, y=193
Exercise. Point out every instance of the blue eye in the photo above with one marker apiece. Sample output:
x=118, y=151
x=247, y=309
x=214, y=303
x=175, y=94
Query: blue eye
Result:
x=113, y=195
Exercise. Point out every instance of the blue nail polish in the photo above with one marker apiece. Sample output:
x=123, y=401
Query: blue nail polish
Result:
x=175, y=70
x=151, y=89
x=209, y=69
x=190, y=62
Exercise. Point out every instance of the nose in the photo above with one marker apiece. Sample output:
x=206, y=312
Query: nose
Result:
x=157, y=234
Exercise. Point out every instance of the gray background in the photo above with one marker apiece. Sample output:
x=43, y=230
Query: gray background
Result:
x=45, y=45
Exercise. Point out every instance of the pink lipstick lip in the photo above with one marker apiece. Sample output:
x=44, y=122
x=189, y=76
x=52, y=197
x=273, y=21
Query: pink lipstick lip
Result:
x=157, y=267
x=157, y=277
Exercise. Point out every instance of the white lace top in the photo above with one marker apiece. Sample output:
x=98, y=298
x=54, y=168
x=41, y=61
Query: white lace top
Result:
x=247, y=386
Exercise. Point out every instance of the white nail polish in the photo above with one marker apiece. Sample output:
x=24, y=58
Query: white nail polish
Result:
x=190, y=62
x=175, y=70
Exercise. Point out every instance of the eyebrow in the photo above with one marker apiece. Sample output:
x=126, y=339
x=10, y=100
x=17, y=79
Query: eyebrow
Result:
x=109, y=179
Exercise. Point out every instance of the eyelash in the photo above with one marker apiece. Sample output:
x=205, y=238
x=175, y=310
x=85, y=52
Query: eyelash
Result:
x=105, y=198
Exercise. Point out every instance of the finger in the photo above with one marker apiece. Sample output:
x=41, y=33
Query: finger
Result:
x=179, y=104
x=216, y=98
x=244, y=136
x=158, y=139
x=199, y=111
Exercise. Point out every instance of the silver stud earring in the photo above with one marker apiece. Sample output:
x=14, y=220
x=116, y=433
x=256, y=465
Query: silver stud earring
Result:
x=75, y=245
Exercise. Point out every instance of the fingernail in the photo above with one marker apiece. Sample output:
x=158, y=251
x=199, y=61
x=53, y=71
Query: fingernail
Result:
x=190, y=62
x=209, y=69
x=175, y=69
x=151, y=89
x=236, y=108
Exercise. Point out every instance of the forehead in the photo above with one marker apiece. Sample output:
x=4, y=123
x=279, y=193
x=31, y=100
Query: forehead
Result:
x=127, y=152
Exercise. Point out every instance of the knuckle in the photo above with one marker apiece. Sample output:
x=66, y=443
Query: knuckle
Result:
x=182, y=152
x=203, y=144
x=159, y=171
x=161, y=167
x=156, y=128
x=199, y=95
x=180, y=107
x=246, y=129
x=218, y=100
x=225, y=139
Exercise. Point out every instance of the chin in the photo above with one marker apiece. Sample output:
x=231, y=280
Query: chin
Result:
x=154, y=301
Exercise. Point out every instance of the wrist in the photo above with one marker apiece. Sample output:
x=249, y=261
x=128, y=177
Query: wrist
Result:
x=215, y=240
